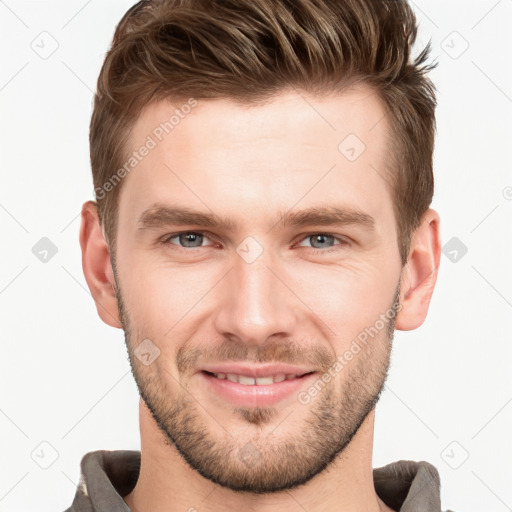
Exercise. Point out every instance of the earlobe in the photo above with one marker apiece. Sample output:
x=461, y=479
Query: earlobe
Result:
x=419, y=275
x=97, y=265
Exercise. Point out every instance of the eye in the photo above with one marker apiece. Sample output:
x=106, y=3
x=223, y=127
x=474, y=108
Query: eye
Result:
x=189, y=239
x=322, y=241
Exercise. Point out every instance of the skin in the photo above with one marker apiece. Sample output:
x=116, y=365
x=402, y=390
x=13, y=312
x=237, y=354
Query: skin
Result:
x=202, y=302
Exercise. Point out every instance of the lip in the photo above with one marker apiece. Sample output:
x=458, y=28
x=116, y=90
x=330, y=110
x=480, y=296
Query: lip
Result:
x=256, y=395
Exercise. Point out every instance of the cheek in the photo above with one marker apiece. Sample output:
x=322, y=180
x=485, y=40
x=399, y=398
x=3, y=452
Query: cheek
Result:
x=347, y=297
x=349, y=300
x=160, y=296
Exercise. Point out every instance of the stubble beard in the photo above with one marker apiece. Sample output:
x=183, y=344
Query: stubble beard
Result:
x=272, y=462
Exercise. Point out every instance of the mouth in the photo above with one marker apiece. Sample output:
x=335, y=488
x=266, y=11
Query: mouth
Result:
x=248, y=380
x=253, y=386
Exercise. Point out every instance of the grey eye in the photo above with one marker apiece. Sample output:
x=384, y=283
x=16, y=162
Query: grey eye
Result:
x=188, y=239
x=320, y=241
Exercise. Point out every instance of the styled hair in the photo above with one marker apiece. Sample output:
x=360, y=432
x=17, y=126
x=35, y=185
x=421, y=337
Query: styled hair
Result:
x=249, y=51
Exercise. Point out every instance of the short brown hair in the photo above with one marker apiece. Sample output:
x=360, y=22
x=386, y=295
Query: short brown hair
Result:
x=251, y=50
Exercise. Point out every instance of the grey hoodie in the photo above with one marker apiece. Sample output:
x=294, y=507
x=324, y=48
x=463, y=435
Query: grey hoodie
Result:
x=107, y=476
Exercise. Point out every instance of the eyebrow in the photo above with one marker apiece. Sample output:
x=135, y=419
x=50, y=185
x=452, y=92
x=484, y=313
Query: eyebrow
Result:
x=160, y=215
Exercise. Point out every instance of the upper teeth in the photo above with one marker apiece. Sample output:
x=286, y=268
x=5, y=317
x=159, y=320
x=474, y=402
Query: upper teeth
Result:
x=251, y=381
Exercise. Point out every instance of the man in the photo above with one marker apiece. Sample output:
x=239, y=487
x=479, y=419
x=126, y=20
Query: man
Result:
x=230, y=141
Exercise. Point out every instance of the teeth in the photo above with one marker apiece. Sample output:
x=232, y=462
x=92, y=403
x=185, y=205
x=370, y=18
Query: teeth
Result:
x=261, y=381
x=251, y=381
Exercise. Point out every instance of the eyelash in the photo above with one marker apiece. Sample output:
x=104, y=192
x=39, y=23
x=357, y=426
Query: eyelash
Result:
x=342, y=240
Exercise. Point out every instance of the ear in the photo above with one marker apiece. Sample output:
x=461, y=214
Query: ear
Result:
x=97, y=266
x=419, y=274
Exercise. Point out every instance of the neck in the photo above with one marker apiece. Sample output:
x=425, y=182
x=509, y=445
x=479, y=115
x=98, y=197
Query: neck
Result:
x=168, y=484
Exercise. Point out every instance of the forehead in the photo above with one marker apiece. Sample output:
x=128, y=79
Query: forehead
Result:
x=247, y=161
x=292, y=116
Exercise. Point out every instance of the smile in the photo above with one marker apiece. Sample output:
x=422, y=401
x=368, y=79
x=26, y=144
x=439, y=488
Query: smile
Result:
x=247, y=380
x=255, y=391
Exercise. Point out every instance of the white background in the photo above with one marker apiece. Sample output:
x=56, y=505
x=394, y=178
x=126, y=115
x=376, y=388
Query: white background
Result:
x=65, y=375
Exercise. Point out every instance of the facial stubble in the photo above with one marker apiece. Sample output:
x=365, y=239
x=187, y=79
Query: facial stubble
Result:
x=264, y=463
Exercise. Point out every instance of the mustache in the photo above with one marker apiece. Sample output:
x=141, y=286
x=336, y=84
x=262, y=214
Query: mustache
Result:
x=270, y=352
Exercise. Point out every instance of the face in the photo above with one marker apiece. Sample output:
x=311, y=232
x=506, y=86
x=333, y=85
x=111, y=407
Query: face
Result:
x=257, y=272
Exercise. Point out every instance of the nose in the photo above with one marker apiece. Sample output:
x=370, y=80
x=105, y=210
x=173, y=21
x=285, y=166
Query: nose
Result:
x=255, y=303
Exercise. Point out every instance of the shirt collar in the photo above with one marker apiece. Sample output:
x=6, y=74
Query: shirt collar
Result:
x=107, y=476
